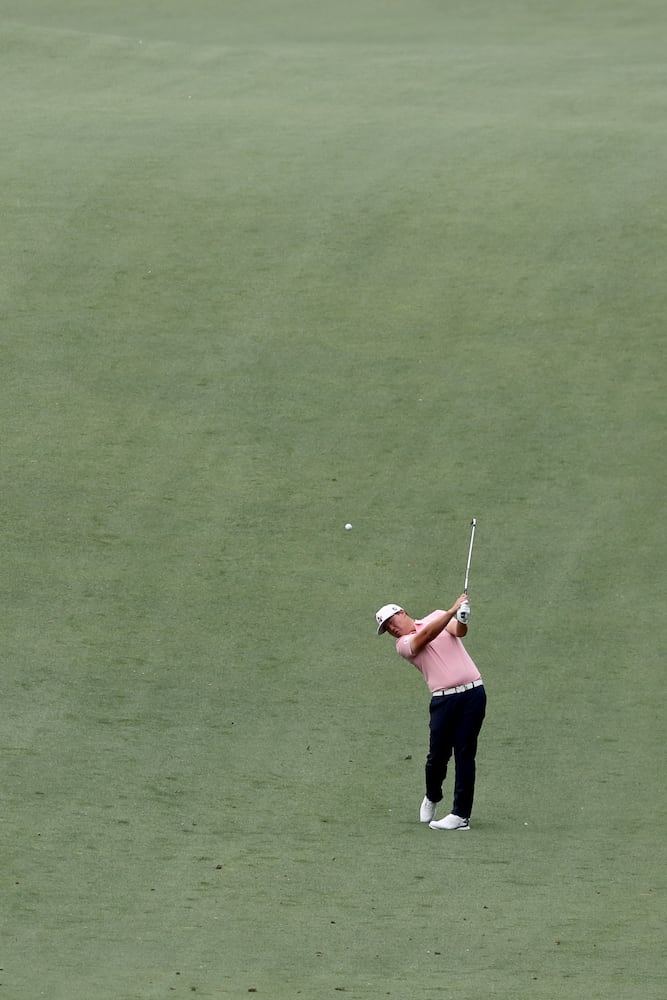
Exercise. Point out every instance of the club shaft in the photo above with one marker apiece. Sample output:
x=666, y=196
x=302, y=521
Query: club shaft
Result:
x=473, y=524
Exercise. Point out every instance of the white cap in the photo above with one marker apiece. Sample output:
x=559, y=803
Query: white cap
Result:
x=384, y=614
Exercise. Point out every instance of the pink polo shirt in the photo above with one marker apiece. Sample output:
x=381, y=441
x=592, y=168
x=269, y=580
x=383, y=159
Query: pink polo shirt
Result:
x=444, y=662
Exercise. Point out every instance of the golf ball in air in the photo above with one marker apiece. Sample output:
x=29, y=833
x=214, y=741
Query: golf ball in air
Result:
x=348, y=526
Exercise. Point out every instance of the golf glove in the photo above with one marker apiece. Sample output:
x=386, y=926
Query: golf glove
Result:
x=463, y=614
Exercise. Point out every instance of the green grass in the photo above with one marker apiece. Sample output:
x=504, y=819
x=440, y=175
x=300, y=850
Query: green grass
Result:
x=267, y=268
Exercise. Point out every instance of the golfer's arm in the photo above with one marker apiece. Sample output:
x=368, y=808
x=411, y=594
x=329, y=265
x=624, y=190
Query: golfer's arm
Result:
x=427, y=633
x=457, y=628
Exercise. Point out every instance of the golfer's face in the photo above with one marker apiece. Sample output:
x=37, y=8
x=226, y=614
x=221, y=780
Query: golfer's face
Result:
x=398, y=624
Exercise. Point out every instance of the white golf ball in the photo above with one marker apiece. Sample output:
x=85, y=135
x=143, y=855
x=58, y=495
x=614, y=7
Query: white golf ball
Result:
x=348, y=526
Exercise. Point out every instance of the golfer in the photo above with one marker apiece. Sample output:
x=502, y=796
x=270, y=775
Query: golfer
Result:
x=458, y=702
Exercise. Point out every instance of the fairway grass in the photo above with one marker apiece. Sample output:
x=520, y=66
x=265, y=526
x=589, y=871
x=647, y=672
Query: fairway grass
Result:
x=268, y=268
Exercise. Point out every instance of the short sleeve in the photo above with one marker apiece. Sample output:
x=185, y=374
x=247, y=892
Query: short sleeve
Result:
x=404, y=647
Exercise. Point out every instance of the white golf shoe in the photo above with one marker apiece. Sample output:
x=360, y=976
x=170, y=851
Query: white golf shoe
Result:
x=451, y=822
x=427, y=810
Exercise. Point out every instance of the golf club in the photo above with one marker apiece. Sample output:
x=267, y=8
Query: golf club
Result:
x=473, y=525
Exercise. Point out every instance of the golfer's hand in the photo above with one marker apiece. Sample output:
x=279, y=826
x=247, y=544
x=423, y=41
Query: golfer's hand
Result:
x=458, y=602
x=463, y=614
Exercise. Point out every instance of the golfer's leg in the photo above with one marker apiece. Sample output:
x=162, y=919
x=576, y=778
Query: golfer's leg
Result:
x=465, y=750
x=440, y=748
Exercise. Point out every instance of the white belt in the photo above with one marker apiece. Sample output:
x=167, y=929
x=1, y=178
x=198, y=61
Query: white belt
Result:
x=458, y=689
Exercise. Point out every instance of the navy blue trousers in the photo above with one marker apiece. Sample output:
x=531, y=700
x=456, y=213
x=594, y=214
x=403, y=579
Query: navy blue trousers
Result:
x=455, y=724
